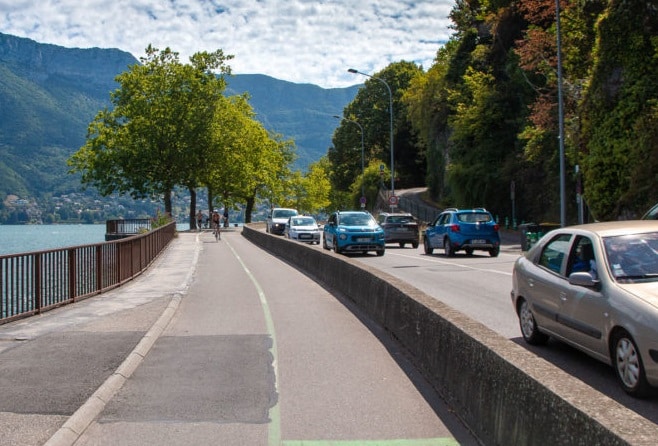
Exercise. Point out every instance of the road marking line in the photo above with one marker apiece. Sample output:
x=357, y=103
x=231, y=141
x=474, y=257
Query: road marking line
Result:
x=401, y=442
x=274, y=426
x=443, y=262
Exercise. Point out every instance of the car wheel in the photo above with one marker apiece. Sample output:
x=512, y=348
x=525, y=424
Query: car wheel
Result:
x=529, y=329
x=414, y=244
x=628, y=365
x=469, y=251
x=426, y=245
x=401, y=244
x=447, y=247
x=493, y=252
x=380, y=253
x=336, y=250
x=267, y=228
x=324, y=243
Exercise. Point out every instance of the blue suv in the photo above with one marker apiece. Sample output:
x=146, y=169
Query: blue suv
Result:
x=353, y=231
x=463, y=229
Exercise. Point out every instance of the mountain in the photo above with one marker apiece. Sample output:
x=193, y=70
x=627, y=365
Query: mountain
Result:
x=49, y=94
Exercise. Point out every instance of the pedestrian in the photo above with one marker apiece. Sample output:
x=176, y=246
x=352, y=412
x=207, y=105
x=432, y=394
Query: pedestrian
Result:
x=199, y=220
x=225, y=218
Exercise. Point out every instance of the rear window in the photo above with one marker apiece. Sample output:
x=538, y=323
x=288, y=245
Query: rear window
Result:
x=474, y=217
x=400, y=219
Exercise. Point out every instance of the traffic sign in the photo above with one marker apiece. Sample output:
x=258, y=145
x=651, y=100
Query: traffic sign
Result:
x=393, y=200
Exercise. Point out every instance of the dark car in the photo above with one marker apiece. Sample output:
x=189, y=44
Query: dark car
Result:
x=353, y=231
x=595, y=287
x=463, y=230
x=401, y=228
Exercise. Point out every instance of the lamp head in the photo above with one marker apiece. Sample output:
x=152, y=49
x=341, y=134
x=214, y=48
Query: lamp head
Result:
x=352, y=70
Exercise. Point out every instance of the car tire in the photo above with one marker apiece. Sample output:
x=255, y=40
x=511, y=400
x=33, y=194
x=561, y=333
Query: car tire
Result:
x=493, y=252
x=336, y=249
x=628, y=365
x=529, y=330
x=426, y=245
x=401, y=244
x=415, y=245
x=469, y=251
x=324, y=243
x=380, y=252
x=447, y=247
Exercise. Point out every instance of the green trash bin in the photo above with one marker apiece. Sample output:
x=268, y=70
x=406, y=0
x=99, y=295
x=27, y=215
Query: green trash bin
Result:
x=529, y=235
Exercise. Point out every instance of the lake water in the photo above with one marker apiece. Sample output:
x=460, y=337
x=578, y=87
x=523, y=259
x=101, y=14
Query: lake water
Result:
x=24, y=238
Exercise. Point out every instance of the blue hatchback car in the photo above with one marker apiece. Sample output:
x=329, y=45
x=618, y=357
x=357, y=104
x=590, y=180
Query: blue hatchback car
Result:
x=353, y=231
x=463, y=229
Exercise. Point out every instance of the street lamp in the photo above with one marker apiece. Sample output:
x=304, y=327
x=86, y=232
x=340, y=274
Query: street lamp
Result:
x=363, y=167
x=390, y=96
x=563, y=208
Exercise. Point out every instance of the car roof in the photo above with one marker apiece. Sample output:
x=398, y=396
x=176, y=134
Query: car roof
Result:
x=617, y=228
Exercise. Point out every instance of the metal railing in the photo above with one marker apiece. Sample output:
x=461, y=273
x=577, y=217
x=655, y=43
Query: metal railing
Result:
x=38, y=281
x=117, y=229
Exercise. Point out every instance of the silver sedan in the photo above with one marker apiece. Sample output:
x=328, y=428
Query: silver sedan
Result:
x=595, y=287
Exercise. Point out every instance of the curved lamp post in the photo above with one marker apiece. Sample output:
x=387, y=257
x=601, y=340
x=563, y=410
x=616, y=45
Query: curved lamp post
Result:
x=363, y=167
x=390, y=97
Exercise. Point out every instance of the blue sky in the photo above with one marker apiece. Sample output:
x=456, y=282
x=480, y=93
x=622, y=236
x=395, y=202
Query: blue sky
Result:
x=302, y=41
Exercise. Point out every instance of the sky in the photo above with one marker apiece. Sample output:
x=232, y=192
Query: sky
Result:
x=301, y=41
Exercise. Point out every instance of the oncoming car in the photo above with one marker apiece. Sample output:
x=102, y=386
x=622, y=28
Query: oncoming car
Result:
x=302, y=228
x=595, y=287
x=353, y=231
x=463, y=229
x=277, y=218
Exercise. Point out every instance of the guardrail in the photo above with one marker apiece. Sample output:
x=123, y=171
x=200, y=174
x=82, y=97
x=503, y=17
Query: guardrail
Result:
x=118, y=229
x=34, y=282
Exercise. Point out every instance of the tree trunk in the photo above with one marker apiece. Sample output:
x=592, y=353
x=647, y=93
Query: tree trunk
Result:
x=167, y=203
x=249, y=208
x=192, y=208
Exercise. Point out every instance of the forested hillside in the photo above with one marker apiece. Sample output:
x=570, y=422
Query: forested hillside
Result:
x=487, y=110
x=50, y=94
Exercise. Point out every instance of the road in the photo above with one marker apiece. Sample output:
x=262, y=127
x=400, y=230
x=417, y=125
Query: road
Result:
x=479, y=286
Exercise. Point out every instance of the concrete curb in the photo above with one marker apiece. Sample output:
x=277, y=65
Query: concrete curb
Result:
x=82, y=418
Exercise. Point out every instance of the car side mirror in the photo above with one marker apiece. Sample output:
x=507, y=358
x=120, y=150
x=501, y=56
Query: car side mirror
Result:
x=584, y=279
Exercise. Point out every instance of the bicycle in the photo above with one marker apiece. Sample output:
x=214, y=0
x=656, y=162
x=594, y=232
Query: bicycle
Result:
x=216, y=232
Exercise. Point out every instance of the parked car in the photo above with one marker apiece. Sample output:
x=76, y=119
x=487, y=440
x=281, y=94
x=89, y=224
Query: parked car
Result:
x=277, y=219
x=302, y=228
x=595, y=287
x=401, y=228
x=652, y=214
x=353, y=231
x=463, y=229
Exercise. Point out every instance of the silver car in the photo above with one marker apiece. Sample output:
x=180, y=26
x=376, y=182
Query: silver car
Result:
x=302, y=228
x=595, y=287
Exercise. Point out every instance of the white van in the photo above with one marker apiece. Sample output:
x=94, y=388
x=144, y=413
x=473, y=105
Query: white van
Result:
x=277, y=219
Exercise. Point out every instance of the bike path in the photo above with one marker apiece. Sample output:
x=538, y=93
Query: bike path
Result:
x=218, y=343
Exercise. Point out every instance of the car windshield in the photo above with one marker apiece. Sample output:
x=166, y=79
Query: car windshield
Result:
x=357, y=220
x=474, y=217
x=303, y=221
x=282, y=213
x=633, y=257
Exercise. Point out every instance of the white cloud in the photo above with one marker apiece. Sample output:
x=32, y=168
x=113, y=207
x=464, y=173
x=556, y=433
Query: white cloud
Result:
x=304, y=41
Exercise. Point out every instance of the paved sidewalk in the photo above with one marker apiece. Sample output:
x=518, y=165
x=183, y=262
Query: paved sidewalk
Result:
x=54, y=382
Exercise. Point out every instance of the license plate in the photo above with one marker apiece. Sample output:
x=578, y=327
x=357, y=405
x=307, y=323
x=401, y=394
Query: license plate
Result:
x=402, y=229
x=363, y=239
x=304, y=235
x=478, y=242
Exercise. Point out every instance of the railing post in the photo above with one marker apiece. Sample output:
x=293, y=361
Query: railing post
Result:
x=72, y=275
x=36, y=273
x=99, y=267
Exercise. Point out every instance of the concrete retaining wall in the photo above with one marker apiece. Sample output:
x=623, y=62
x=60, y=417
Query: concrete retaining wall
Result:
x=504, y=393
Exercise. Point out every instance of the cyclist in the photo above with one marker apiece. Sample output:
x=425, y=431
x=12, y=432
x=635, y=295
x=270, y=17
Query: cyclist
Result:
x=215, y=225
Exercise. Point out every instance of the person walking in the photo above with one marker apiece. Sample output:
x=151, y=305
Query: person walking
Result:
x=199, y=220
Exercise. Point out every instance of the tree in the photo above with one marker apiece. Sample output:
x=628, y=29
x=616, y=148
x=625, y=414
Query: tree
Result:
x=157, y=135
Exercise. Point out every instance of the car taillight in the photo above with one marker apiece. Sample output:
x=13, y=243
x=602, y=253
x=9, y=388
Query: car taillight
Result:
x=454, y=228
x=496, y=227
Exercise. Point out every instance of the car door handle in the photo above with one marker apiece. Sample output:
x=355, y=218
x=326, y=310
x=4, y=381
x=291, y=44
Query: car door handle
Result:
x=563, y=297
